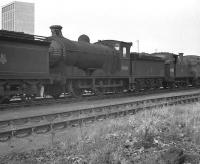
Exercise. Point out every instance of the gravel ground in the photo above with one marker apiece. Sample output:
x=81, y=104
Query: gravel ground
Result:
x=41, y=110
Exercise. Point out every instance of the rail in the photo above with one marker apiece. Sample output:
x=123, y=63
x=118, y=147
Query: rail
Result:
x=23, y=127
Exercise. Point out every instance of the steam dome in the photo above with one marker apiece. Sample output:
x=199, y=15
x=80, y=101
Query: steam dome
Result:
x=84, y=38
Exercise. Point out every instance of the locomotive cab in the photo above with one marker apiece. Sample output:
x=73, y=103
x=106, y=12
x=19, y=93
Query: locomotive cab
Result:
x=123, y=51
x=123, y=48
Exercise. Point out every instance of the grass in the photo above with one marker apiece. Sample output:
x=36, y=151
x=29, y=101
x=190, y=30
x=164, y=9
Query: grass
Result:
x=142, y=138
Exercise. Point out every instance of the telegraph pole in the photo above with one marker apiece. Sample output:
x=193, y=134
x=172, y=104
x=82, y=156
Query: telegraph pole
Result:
x=138, y=46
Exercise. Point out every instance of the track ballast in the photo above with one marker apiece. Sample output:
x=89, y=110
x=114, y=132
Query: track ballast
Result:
x=52, y=122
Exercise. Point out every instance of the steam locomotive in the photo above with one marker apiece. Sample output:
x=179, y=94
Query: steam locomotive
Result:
x=33, y=66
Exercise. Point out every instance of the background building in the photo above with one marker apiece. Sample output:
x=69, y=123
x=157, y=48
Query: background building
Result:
x=19, y=17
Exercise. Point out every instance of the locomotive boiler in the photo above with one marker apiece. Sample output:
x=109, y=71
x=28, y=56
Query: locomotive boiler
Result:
x=81, y=54
x=76, y=66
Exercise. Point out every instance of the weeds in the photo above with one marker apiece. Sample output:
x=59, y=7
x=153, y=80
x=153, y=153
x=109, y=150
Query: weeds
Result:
x=143, y=138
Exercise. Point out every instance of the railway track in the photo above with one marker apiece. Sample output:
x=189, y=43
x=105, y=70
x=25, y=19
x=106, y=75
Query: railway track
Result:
x=50, y=101
x=38, y=124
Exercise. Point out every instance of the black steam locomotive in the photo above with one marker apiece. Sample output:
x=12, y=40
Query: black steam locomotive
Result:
x=32, y=66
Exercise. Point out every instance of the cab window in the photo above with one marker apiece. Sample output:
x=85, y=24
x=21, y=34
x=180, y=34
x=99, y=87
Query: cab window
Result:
x=117, y=46
x=124, y=51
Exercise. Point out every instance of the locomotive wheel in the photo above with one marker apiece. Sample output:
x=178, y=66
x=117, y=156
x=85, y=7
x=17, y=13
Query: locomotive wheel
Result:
x=1, y=100
x=118, y=90
x=172, y=85
x=74, y=90
x=99, y=91
x=54, y=90
x=138, y=85
x=4, y=100
x=27, y=97
x=55, y=96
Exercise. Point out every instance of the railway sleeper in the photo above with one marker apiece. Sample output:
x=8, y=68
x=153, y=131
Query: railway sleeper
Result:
x=42, y=129
x=51, y=117
x=75, y=123
x=149, y=107
x=87, y=111
x=89, y=120
x=20, y=121
x=101, y=117
x=76, y=112
x=66, y=114
x=126, y=106
x=113, y=107
x=112, y=115
x=131, y=111
x=4, y=137
x=193, y=100
x=36, y=119
x=59, y=126
x=118, y=114
x=4, y=124
x=22, y=133
x=98, y=109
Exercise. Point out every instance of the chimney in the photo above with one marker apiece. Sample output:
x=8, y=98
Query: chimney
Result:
x=56, y=30
x=180, y=57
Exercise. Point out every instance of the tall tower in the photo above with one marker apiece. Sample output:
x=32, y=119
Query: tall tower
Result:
x=19, y=17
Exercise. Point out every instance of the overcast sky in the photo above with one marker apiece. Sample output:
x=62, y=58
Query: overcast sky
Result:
x=159, y=25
